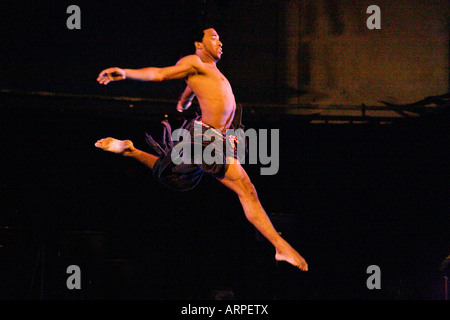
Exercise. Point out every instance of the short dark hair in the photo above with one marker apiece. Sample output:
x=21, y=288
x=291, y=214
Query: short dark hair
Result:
x=199, y=32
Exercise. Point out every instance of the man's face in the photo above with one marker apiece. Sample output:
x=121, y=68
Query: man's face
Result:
x=212, y=44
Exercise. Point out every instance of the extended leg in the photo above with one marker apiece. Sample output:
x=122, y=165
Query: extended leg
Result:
x=237, y=180
x=126, y=148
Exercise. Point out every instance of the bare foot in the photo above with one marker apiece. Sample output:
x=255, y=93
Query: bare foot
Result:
x=122, y=147
x=288, y=254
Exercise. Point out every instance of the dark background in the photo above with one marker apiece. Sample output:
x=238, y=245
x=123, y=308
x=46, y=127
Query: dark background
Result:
x=346, y=196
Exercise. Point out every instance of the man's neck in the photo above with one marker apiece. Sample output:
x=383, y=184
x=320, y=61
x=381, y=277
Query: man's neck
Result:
x=206, y=59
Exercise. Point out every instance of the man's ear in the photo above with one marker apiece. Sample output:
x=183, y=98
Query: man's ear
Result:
x=198, y=45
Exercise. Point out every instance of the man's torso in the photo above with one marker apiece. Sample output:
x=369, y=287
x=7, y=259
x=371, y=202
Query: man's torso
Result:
x=214, y=94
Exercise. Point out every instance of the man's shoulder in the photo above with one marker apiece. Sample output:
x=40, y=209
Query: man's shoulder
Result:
x=192, y=59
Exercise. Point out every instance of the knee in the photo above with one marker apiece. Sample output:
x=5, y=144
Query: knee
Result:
x=248, y=190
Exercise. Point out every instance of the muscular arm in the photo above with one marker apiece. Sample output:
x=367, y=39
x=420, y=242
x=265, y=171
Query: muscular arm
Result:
x=184, y=68
x=160, y=74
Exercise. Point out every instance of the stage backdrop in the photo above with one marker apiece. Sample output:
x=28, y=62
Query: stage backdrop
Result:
x=297, y=52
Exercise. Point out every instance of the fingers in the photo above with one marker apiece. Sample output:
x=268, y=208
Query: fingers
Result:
x=103, y=77
x=107, y=75
x=180, y=107
x=103, y=80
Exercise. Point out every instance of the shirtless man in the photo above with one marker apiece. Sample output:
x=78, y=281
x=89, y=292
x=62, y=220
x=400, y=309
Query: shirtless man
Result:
x=217, y=105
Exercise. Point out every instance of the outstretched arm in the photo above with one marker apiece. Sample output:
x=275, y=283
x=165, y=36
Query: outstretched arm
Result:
x=185, y=100
x=182, y=69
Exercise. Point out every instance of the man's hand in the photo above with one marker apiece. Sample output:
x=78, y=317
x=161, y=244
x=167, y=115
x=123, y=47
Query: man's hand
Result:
x=183, y=106
x=111, y=74
x=185, y=99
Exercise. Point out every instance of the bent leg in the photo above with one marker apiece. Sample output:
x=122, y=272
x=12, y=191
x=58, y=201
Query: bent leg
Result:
x=127, y=149
x=237, y=180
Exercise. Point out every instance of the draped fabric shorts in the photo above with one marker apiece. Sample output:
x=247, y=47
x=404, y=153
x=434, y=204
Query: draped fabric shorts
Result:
x=202, y=148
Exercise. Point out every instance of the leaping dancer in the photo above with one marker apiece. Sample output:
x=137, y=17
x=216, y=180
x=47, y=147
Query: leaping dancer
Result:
x=218, y=110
